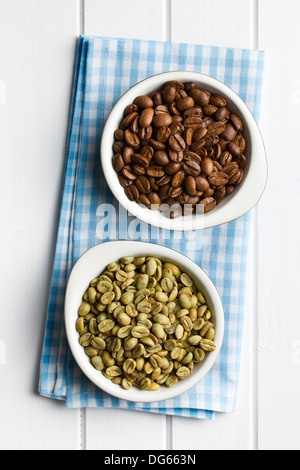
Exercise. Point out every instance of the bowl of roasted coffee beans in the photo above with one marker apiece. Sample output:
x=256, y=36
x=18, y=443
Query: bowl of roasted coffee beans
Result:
x=182, y=151
x=143, y=321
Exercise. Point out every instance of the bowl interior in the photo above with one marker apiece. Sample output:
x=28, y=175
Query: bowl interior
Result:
x=245, y=196
x=89, y=266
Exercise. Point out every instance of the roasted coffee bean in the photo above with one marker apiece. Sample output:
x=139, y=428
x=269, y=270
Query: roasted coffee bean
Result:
x=154, y=198
x=229, y=132
x=163, y=180
x=218, y=101
x=219, y=194
x=146, y=117
x=124, y=182
x=128, y=173
x=207, y=166
x=162, y=120
x=222, y=114
x=161, y=157
x=178, y=145
x=178, y=179
x=127, y=154
x=210, y=110
x=132, y=192
x=132, y=138
x=193, y=121
x=201, y=183
x=138, y=170
x=177, y=128
x=175, y=156
x=130, y=109
x=215, y=129
x=201, y=97
x=119, y=134
x=172, y=168
x=128, y=119
x=145, y=133
x=118, y=146
x=237, y=145
x=241, y=160
x=143, y=102
x=142, y=184
x=217, y=178
x=144, y=201
x=188, y=136
x=189, y=155
x=164, y=192
x=140, y=160
x=155, y=170
x=169, y=93
x=156, y=145
x=147, y=151
x=175, y=192
x=184, y=103
x=225, y=158
x=208, y=203
x=118, y=162
x=191, y=168
x=190, y=185
x=199, y=134
x=194, y=111
x=237, y=122
x=163, y=134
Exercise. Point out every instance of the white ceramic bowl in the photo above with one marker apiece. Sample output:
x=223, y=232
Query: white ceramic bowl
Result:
x=245, y=196
x=89, y=266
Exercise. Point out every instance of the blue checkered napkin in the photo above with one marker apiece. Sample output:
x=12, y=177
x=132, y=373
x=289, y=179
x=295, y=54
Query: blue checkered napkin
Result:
x=105, y=69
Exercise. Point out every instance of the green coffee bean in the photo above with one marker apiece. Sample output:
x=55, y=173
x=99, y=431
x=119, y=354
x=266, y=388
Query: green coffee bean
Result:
x=142, y=322
x=84, y=309
x=98, y=363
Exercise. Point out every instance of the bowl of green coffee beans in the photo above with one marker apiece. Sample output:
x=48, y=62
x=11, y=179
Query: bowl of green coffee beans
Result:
x=143, y=322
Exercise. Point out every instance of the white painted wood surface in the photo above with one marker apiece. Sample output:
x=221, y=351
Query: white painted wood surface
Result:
x=37, y=51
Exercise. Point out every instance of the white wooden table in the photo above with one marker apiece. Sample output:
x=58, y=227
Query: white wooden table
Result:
x=37, y=53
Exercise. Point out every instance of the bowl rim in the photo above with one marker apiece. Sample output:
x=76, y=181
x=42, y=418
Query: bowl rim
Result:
x=210, y=219
x=70, y=316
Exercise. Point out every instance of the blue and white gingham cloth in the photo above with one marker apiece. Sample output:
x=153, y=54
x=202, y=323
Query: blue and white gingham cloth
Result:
x=105, y=69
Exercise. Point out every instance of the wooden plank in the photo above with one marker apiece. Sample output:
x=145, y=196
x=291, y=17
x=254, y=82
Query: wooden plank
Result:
x=279, y=230
x=226, y=23
x=138, y=19
x=36, y=68
x=221, y=23
x=134, y=19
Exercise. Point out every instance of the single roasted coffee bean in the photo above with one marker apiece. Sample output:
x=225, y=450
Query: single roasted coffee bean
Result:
x=217, y=178
x=208, y=203
x=143, y=102
x=207, y=166
x=191, y=168
x=118, y=162
x=140, y=160
x=161, y=157
x=178, y=179
x=143, y=185
x=132, y=192
x=172, y=168
x=146, y=117
x=162, y=120
x=177, y=143
x=132, y=138
x=190, y=186
x=163, y=134
x=237, y=145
